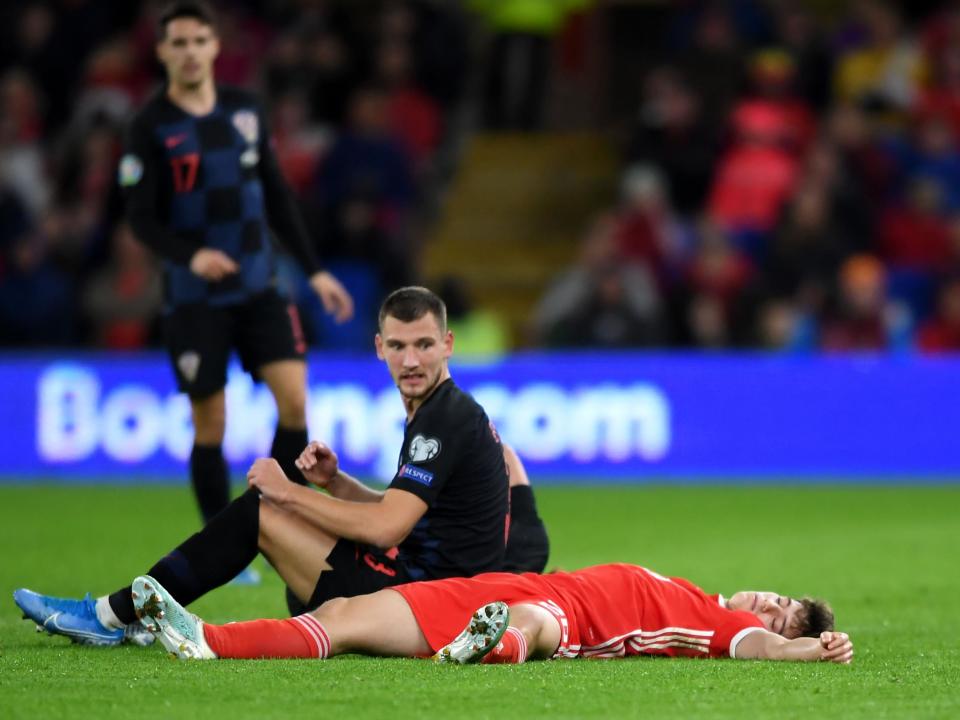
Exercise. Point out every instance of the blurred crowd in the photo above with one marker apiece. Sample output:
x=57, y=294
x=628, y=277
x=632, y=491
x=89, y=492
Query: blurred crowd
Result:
x=791, y=181
x=791, y=175
x=362, y=100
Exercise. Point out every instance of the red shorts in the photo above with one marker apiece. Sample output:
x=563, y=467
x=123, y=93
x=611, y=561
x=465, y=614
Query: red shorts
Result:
x=443, y=607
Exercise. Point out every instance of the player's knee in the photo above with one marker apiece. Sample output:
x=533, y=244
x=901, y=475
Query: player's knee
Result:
x=331, y=609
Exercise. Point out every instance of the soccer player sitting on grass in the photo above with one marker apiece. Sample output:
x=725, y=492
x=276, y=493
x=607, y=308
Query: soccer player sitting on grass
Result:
x=446, y=509
x=604, y=611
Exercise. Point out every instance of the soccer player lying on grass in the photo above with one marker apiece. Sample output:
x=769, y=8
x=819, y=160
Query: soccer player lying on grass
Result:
x=603, y=611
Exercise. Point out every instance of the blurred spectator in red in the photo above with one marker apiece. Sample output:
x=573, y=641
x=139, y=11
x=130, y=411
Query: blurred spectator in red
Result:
x=755, y=177
x=914, y=234
x=887, y=69
x=601, y=302
x=863, y=319
x=942, y=96
x=414, y=115
x=121, y=301
x=673, y=134
x=772, y=76
x=647, y=231
x=243, y=40
x=718, y=283
x=299, y=145
x=941, y=333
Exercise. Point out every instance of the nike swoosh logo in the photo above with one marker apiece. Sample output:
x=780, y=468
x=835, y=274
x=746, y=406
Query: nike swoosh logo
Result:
x=174, y=140
x=52, y=624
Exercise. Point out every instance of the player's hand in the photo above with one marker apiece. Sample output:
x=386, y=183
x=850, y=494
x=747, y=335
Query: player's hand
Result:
x=268, y=477
x=334, y=296
x=837, y=647
x=318, y=463
x=212, y=265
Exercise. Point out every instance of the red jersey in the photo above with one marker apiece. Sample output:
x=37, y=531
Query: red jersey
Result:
x=603, y=611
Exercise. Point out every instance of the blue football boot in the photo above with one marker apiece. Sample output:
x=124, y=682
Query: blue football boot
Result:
x=75, y=619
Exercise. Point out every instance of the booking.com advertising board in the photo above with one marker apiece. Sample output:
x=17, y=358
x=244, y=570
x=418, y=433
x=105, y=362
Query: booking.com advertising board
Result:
x=580, y=418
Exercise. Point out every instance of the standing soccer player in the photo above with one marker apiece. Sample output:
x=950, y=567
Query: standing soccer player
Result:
x=203, y=191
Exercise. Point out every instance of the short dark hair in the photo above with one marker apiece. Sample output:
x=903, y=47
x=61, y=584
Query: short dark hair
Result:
x=412, y=303
x=196, y=9
x=815, y=617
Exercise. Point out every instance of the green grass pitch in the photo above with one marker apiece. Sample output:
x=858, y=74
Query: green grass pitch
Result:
x=887, y=558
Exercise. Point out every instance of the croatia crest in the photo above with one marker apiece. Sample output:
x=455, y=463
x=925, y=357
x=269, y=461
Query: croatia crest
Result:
x=245, y=121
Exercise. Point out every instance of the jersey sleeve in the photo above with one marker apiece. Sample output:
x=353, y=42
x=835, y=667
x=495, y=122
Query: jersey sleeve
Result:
x=731, y=629
x=429, y=458
x=140, y=175
x=283, y=214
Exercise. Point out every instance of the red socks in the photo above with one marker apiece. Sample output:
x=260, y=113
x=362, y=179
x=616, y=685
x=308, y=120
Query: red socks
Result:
x=299, y=637
x=512, y=648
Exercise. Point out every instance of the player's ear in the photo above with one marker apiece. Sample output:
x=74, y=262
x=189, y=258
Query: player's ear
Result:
x=448, y=344
x=378, y=343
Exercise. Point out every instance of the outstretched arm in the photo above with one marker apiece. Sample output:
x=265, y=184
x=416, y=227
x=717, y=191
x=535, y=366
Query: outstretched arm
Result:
x=765, y=645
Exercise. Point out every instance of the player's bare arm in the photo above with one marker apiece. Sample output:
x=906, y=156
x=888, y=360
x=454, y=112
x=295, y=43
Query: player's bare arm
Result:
x=320, y=466
x=334, y=296
x=384, y=524
x=765, y=645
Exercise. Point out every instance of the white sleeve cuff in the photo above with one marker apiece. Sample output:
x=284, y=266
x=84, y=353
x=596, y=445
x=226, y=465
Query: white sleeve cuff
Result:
x=740, y=636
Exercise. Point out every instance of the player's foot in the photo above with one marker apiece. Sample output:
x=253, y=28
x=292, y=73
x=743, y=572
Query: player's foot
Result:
x=247, y=576
x=180, y=632
x=75, y=619
x=479, y=637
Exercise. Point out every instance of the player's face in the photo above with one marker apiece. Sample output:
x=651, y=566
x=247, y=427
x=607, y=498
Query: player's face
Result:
x=778, y=613
x=416, y=354
x=187, y=51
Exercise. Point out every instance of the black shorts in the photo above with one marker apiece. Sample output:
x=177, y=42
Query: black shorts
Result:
x=357, y=569
x=200, y=337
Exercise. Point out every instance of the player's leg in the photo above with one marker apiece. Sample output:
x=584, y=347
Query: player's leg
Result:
x=377, y=624
x=528, y=546
x=534, y=633
x=205, y=561
x=209, y=475
x=198, y=340
x=273, y=349
x=297, y=549
x=497, y=634
x=287, y=380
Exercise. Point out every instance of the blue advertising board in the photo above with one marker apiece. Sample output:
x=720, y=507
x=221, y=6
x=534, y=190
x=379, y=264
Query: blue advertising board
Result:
x=581, y=417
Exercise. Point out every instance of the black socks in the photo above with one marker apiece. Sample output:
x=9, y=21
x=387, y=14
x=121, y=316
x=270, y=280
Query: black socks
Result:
x=287, y=446
x=210, y=479
x=207, y=559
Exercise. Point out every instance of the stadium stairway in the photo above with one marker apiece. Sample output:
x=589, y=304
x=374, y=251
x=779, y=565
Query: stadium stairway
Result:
x=514, y=215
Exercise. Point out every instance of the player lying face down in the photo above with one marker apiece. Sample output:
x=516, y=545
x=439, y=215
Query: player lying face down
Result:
x=605, y=611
